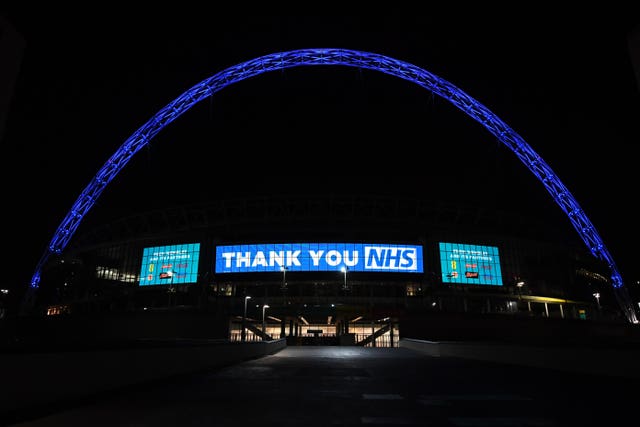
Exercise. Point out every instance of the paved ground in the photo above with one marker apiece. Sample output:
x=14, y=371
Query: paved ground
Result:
x=353, y=386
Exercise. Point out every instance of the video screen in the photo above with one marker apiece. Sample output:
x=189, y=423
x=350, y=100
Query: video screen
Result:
x=169, y=265
x=470, y=264
x=319, y=257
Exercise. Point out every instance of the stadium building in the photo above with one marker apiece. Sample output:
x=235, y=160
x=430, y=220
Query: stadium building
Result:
x=328, y=266
x=326, y=269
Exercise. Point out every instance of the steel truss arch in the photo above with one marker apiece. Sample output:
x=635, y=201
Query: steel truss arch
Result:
x=350, y=58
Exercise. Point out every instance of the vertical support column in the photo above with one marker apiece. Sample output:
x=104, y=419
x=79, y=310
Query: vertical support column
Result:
x=291, y=334
x=283, y=328
x=373, y=332
x=390, y=332
x=546, y=309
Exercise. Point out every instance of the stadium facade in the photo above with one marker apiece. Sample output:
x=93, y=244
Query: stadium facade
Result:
x=351, y=269
x=319, y=265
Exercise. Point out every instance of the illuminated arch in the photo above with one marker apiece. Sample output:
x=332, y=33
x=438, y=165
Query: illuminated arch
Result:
x=351, y=58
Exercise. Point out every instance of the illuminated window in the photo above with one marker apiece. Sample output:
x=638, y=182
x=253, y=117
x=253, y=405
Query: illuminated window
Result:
x=413, y=290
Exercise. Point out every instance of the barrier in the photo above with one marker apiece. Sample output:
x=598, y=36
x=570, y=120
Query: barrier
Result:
x=40, y=379
x=617, y=361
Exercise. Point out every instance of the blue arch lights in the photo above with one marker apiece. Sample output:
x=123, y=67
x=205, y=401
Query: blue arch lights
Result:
x=350, y=58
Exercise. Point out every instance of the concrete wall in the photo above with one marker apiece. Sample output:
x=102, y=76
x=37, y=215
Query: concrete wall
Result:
x=97, y=329
x=621, y=361
x=45, y=361
x=514, y=329
x=37, y=379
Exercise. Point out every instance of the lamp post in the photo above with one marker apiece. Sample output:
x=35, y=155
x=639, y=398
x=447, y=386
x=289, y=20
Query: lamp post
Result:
x=172, y=289
x=519, y=285
x=264, y=332
x=344, y=270
x=597, y=297
x=284, y=277
x=244, y=319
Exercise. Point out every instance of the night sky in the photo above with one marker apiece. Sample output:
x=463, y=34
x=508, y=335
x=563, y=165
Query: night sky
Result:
x=88, y=82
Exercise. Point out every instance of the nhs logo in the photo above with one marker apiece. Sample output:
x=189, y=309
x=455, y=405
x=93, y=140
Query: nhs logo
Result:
x=392, y=258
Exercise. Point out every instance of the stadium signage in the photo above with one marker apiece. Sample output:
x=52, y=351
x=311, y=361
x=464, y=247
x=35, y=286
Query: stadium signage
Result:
x=169, y=265
x=463, y=263
x=319, y=257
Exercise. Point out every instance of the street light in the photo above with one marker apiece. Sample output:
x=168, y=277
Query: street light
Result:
x=244, y=319
x=519, y=285
x=264, y=332
x=597, y=297
x=344, y=270
x=172, y=289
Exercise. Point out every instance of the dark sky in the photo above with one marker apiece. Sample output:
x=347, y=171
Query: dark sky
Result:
x=88, y=82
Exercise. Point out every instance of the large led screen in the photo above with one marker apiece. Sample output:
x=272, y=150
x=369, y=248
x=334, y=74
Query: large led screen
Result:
x=168, y=265
x=470, y=264
x=319, y=257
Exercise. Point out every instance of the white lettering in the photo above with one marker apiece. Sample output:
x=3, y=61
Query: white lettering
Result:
x=391, y=258
x=276, y=257
x=227, y=258
x=315, y=256
x=353, y=261
x=259, y=259
x=243, y=260
x=272, y=258
x=292, y=258
x=334, y=258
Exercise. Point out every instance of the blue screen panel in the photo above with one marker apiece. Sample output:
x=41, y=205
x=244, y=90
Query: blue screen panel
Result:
x=470, y=264
x=168, y=265
x=319, y=257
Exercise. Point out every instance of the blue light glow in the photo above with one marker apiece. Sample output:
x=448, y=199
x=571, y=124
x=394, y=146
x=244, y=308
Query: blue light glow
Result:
x=350, y=58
